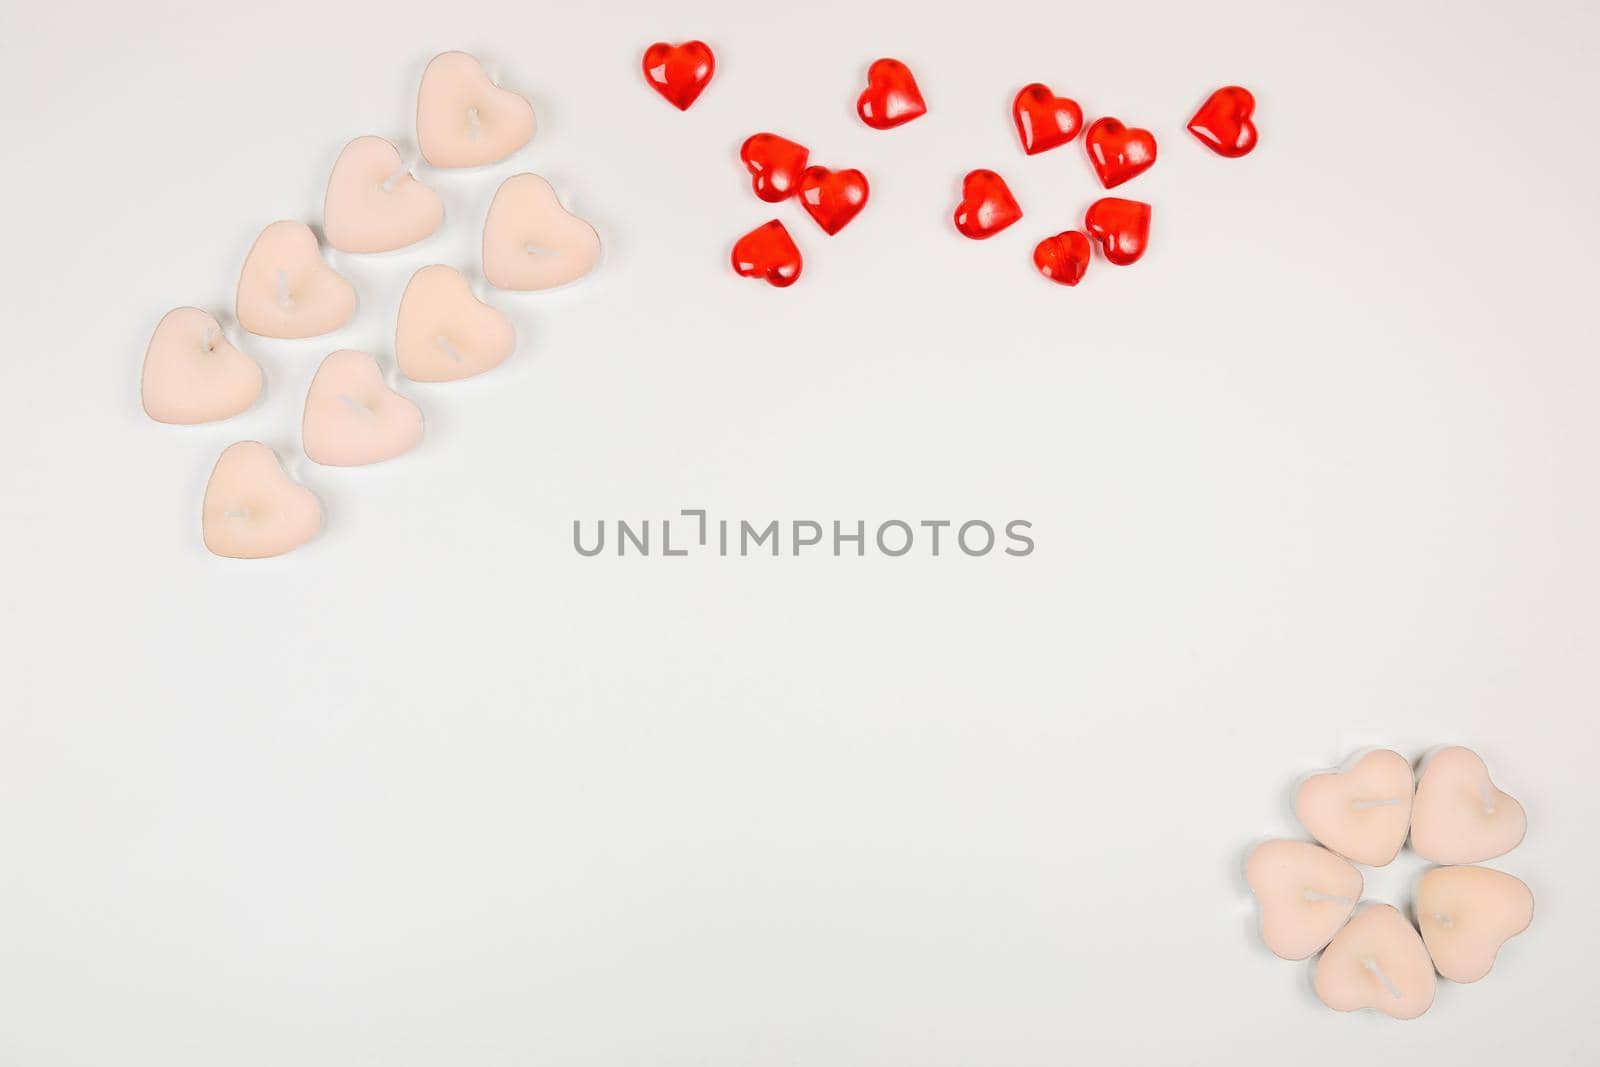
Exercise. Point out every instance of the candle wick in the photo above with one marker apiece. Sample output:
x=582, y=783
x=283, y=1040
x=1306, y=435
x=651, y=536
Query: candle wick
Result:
x=1446, y=921
x=473, y=124
x=242, y=513
x=354, y=404
x=535, y=250
x=284, y=299
x=208, y=340
x=1371, y=964
x=1488, y=798
x=390, y=182
x=449, y=349
x=1316, y=896
x=1365, y=805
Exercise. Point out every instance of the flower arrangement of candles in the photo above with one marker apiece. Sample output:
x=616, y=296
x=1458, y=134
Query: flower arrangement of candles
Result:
x=194, y=374
x=1372, y=955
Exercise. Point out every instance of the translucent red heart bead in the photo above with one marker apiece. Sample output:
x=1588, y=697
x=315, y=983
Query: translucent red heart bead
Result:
x=775, y=165
x=1118, y=152
x=1063, y=258
x=769, y=253
x=833, y=197
x=986, y=206
x=679, y=72
x=891, y=97
x=1121, y=226
x=1044, y=120
x=1223, y=123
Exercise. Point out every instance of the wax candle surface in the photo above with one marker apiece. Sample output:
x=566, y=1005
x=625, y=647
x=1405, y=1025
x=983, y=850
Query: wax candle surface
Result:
x=251, y=509
x=531, y=242
x=1466, y=914
x=352, y=417
x=1305, y=894
x=1377, y=961
x=1362, y=812
x=1458, y=816
x=373, y=202
x=192, y=374
x=444, y=332
x=464, y=119
x=285, y=288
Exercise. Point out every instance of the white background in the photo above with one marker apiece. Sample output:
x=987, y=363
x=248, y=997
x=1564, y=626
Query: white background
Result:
x=1321, y=472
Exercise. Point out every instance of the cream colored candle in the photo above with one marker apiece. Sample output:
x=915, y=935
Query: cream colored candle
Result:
x=353, y=418
x=1458, y=815
x=287, y=290
x=1377, y=961
x=192, y=374
x=464, y=119
x=1305, y=894
x=251, y=509
x=1466, y=914
x=1362, y=812
x=531, y=242
x=373, y=202
x=444, y=332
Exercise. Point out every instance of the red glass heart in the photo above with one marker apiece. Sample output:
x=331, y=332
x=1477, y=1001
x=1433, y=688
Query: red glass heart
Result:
x=1044, y=120
x=679, y=72
x=775, y=165
x=986, y=207
x=1063, y=258
x=1223, y=122
x=891, y=97
x=1118, y=152
x=1121, y=226
x=833, y=197
x=768, y=252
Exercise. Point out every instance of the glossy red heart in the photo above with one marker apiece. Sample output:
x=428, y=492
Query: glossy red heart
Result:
x=1063, y=258
x=986, y=207
x=833, y=197
x=768, y=252
x=1121, y=226
x=1223, y=122
x=679, y=72
x=775, y=165
x=1044, y=120
x=891, y=97
x=1118, y=152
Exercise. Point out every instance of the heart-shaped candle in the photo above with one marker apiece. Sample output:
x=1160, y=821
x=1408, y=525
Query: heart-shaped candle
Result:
x=464, y=119
x=833, y=197
x=1117, y=152
x=1466, y=914
x=986, y=206
x=192, y=374
x=1363, y=812
x=1377, y=961
x=286, y=289
x=891, y=97
x=679, y=72
x=1305, y=894
x=775, y=165
x=1044, y=120
x=352, y=417
x=252, y=510
x=444, y=332
x=531, y=242
x=769, y=253
x=1458, y=816
x=1121, y=226
x=373, y=202
x=1063, y=258
x=1223, y=122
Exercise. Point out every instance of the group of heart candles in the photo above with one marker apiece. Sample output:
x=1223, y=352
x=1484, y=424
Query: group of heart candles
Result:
x=1374, y=957
x=192, y=374
x=781, y=168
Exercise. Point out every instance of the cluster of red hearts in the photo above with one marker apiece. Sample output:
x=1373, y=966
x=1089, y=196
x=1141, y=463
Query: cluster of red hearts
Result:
x=1364, y=813
x=780, y=168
